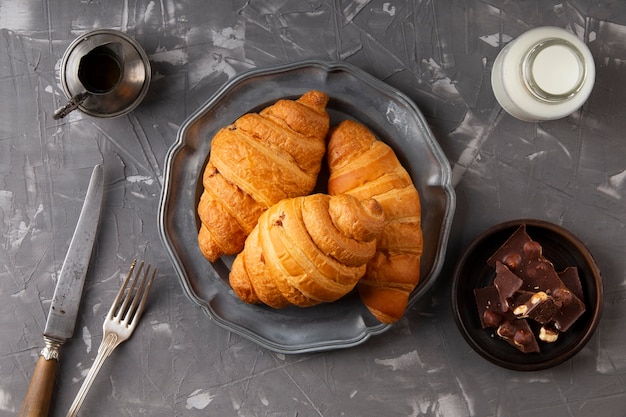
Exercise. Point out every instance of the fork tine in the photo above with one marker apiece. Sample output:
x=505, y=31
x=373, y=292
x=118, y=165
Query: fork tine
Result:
x=124, y=309
x=139, y=301
x=118, y=298
x=137, y=294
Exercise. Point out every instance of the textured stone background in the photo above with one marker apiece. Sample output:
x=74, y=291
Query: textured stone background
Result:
x=438, y=52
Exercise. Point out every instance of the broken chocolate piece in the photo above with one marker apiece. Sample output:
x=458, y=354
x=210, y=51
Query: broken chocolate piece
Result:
x=538, y=274
x=570, y=278
x=490, y=310
x=507, y=284
x=527, y=287
x=520, y=298
x=518, y=334
x=534, y=269
x=538, y=306
x=568, y=313
x=564, y=295
x=510, y=251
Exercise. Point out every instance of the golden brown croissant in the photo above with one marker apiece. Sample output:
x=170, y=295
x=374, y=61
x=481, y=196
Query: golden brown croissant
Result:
x=365, y=167
x=307, y=250
x=256, y=162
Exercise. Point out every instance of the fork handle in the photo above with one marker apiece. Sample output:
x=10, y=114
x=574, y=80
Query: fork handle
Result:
x=109, y=342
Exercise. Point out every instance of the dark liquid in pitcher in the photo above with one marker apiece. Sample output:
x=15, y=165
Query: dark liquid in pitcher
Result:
x=99, y=71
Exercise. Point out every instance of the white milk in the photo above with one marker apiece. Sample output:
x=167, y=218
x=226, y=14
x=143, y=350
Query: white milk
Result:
x=546, y=73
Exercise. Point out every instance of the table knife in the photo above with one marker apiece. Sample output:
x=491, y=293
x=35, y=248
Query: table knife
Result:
x=66, y=300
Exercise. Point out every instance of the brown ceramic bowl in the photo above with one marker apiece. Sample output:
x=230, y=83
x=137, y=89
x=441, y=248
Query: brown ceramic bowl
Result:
x=563, y=249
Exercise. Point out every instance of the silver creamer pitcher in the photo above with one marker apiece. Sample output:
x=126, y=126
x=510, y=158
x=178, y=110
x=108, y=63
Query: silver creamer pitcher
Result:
x=104, y=73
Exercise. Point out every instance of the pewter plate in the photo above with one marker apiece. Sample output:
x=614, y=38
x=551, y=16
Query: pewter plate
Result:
x=354, y=94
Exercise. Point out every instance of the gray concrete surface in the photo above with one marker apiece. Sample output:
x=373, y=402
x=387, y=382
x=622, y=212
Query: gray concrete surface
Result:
x=439, y=52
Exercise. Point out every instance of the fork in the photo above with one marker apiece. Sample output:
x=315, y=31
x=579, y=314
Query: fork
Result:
x=119, y=324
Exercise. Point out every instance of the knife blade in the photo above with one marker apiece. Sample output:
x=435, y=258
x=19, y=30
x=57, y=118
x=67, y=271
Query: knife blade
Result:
x=66, y=299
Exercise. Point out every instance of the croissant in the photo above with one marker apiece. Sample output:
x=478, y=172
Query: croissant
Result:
x=257, y=161
x=362, y=166
x=307, y=250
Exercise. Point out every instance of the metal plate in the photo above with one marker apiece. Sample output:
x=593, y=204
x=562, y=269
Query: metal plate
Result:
x=353, y=94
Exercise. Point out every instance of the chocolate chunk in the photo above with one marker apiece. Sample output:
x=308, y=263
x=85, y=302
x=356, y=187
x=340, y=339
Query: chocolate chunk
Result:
x=490, y=310
x=510, y=251
x=538, y=274
x=569, y=312
x=527, y=287
x=518, y=334
x=491, y=319
x=507, y=284
x=571, y=280
x=533, y=268
x=538, y=306
x=545, y=311
x=520, y=298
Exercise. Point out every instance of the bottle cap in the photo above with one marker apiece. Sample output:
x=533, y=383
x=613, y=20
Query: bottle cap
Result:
x=554, y=70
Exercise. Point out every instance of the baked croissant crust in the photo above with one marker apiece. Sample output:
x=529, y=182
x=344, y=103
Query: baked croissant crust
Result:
x=362, y=166
x=257, y=161
x=307, y=250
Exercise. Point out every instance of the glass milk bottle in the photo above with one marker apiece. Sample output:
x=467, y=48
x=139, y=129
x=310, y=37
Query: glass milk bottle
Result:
x=546, y=73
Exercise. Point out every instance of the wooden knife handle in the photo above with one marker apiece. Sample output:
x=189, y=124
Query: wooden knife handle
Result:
x=39, y=394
